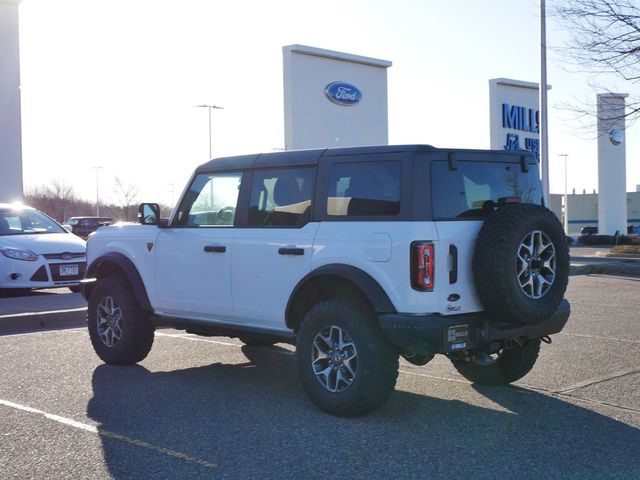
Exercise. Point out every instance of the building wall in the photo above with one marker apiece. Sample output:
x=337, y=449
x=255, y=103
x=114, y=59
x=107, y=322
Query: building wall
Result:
x=583, y=210
x=10, y=134
x=312, y=119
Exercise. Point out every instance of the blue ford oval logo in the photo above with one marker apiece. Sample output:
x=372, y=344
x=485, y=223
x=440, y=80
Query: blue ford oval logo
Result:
x=616, y=137
x=343, y=93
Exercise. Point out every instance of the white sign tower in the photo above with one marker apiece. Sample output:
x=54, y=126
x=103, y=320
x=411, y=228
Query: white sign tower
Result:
x=10, y=133
x=612, y=182
x=333, y=99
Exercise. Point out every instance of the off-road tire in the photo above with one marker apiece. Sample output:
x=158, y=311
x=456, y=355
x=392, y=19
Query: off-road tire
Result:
x=511, y=365
x=137, y=332
x=495, y=258
x=377, y=359
x=257, y=341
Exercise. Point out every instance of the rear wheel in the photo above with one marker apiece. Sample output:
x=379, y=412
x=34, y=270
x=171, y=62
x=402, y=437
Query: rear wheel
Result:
x=346, y=365
x=500, y=368
x=521, y=264
x=120, y=330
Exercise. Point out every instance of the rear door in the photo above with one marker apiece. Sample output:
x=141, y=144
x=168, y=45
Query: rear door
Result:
x=273, y=251
x=464, y=191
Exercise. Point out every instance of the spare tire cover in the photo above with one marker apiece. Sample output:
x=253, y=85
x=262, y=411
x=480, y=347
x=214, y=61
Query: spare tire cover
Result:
x=521, y=264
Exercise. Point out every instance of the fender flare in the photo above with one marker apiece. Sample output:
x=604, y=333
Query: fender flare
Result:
x=366, y=283
x=130, y=272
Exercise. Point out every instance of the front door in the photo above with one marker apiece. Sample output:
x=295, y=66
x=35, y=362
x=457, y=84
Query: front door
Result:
x=193, y=273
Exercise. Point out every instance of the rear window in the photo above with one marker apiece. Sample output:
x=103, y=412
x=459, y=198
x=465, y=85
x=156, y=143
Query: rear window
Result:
x=475, y=188
x=364, y=189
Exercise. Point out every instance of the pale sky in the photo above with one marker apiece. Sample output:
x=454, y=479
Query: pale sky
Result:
x=115, y=83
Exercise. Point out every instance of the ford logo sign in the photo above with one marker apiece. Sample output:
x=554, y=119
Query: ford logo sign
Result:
x=343, y=93
x=616, y=137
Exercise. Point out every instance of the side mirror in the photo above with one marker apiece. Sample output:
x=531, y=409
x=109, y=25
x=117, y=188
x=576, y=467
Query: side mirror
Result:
x=149, y=214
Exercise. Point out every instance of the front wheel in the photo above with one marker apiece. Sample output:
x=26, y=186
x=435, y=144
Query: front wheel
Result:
x=120, y=330
x=346, y=366
x=501, y=368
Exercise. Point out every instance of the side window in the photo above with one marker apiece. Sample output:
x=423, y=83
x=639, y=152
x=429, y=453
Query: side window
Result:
x=364, y=189
x=211, y=201
x=281, y=198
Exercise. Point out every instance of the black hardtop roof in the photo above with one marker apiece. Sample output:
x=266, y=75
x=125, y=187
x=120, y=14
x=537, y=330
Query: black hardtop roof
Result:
x=312, y=157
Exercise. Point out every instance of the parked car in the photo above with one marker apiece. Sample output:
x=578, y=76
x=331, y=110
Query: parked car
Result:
x=589, y=231
x=355, y=255
x=633, y=229
x=36, y=252
x=83, y=226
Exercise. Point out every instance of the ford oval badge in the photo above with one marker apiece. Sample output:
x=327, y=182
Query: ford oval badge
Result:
x=616, y=137
x=343, y=93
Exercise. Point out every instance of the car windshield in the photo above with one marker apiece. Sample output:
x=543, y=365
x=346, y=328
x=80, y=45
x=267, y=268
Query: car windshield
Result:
x=26, y=221
x=72, y=221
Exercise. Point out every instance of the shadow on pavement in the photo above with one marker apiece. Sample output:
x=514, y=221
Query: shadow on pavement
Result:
x=254, y=421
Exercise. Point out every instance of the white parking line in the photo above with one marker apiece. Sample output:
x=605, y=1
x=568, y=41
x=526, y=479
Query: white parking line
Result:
x=49, y=312
x=597, y=337
x=186, y=336
x=105, y=433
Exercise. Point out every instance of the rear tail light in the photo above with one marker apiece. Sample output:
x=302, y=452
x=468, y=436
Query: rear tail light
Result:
x=422, y=266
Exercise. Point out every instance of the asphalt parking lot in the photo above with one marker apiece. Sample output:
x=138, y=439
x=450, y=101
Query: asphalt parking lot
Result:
x=211, y=408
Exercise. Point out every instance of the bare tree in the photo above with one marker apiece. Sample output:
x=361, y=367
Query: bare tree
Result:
x=57, y=199
x=126, y=195
x=604, y=39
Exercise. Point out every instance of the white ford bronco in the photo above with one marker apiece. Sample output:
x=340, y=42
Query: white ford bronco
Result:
x=355, y=255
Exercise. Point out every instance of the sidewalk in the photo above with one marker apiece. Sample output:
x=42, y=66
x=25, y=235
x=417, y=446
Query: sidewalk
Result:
x=43, y=310
x=595, y=260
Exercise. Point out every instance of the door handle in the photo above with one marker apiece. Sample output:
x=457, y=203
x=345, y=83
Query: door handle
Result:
x=291, y=251
x=453, y=273
x=215, y=248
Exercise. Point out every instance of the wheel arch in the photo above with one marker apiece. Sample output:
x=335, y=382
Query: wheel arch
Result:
x=116, y=263
x=335, y=279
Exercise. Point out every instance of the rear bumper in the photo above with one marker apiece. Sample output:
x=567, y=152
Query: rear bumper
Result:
x=431, y=334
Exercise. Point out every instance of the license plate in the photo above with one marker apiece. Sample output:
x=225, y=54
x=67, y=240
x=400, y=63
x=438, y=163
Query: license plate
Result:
x=68, y=270
x=458, y=337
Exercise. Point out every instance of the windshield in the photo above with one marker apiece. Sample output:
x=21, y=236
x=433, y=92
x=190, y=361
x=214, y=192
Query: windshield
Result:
x=21, y=222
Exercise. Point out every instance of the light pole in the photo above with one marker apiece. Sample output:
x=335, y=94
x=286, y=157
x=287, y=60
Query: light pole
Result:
x=209, y=107
x=544, y=130
x=566, y=195
x=97, y=169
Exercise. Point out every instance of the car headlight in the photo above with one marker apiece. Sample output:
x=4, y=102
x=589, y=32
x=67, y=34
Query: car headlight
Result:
x=18, y=254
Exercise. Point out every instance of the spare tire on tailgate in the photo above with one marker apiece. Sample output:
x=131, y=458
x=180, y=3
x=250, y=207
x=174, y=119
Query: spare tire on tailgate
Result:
x=521, y=263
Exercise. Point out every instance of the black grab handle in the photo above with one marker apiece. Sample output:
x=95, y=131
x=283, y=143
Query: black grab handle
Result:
x=453, y=273
x=215, y=248
x=291, y=251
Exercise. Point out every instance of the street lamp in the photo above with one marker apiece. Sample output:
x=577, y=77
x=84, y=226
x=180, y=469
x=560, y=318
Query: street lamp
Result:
x=209, y=107
x=97, y=169
x=566, y=199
